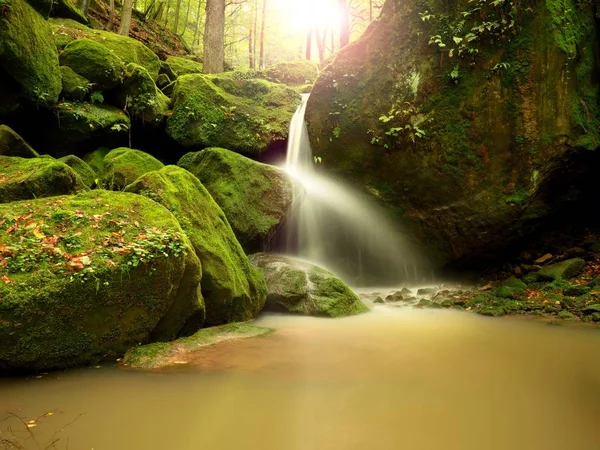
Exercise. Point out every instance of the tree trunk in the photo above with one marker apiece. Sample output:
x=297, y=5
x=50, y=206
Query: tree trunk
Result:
x=370, y=10
x=195, y=39
x=344, y=24
x=214, y=37
x=167, y=13
x=250, y=49
x=111, y=15
x=126, y=17
x=83, y=6
x=255, y=33
x=262, y=35
x=177, y=10
x=321, y=45
x=187, y=18
x=309, y=43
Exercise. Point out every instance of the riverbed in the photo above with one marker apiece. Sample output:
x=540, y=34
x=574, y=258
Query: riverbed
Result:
x=395, y=378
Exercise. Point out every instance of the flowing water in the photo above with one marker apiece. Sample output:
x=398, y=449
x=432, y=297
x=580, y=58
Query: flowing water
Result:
x=390, y=379
x=337, y=227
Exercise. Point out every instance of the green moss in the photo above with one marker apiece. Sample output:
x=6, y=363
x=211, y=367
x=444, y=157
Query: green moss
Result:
x=492, y=311
x=127, y=49
x=87, y=174
x=28, y=56
x=141, y=96
x=42, y=6
x=74, y=86
x=232, y=288
x=563, y=270
x=241, y=115
x=123, y=166
x=233, y=180
x=11, y=144
x=95, y=62
x=163, y=80
x=183, y=66
x=300, y=72
x=67, y=10
x=22, y=179
x=158, y=355
x=95, y=159
x=88, y=277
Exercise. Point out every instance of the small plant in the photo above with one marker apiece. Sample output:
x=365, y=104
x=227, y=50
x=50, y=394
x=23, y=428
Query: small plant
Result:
x=337, y=132
x=118, y=127
x=317, y=159
x=97, y=97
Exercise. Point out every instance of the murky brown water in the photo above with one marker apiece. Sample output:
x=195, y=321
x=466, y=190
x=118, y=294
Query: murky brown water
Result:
x=391, y=379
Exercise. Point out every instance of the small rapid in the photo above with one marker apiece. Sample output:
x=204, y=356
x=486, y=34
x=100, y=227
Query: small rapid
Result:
x=339, y=227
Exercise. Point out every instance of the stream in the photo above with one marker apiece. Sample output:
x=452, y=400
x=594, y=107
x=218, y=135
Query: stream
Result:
x=395, y=378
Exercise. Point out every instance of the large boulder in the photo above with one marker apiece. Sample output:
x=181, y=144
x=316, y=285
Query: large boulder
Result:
x=74, y=86
x=462, y=121
x=67, y=10
x=84, y=278
x=182, y=66
x=232, y=288
x=28, y=58
x=141, y=96
x=123, y=166
x=11, y=144
x=95, y=62
x=127, y=49
x=29, y=178
x=298, y=287
x=83, y=169
x=220, y=111
x=255, y=197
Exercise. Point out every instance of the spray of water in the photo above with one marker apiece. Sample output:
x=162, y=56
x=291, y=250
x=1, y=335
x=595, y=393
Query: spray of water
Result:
x=339, y=228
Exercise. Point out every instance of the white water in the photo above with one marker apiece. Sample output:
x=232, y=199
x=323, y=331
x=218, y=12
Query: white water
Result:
x=339, y=228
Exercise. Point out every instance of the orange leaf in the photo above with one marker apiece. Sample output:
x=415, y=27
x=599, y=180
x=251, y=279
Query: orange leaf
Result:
x=6, y=280
x=38, y=233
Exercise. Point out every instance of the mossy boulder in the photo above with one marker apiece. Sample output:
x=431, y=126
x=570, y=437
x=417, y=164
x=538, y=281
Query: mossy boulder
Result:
x=245, y=116
x=141, y=96
x=127, y=49
x=300, y=72
x=510, y=288
x=41, y=6
x=28, y=58
x=122, y=166
x=74, y=86
x=163, y=81
x=11, y=144
x=95, y=159
x=28, y=178
x=468, y=151
x=232, y=288
x=563, y=270
x=255, y=197
x=165, y=69
x=67, y=10
x=95, y=62
x=86, y=277
x=164, y=354
x=87, y=174
x=299, y=287
x=183, y=66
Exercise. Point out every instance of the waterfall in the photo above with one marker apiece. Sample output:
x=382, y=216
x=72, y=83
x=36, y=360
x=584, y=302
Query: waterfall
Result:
x=338, y=227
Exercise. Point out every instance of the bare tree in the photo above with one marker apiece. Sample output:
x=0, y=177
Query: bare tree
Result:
x=214, y=36
x=177, y=10
x=344, y=24
x=111, y=15
x=309, y=43
x=126, y=17
x=262, y=35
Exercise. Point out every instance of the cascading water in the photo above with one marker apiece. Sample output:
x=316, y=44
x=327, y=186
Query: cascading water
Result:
x=339, y=228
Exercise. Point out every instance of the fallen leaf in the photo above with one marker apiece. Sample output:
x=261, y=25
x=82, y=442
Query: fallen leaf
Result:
x=38, y=233
x=6, y=280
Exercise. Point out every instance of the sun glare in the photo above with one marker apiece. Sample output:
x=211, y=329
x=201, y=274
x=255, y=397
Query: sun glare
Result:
x=303, y=15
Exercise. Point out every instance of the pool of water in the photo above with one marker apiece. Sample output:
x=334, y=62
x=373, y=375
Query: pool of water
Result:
x=395, y=378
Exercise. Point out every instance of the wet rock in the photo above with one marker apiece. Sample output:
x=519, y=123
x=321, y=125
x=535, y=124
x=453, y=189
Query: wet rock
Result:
x=563, y=270
x=378, y=300
x=426, y=291
x=543, y=259
x=405, y=291
x=396, y=297
x=566, y=315
x=493, y=311
x=510, y=288
x=574, y=252
x=424, y=303
x=576, y=290
x=590, y=309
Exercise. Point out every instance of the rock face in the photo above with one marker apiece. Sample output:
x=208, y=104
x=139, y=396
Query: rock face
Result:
x=29, y=178
x=11, y=144
x=127, y=49
x=105, y=271
x=301, y=288
x=232, y=288
x=220, y=111
x=141, y=96
x=122, y=166
x=464, y=135
x=28, y=58
x=255, y=197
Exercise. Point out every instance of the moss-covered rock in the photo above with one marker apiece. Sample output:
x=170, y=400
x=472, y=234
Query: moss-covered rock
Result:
x=87, y=174
x=255, y=197
x=493, y=311
x=163, y=81
x=164, y=354
x=183, y=66
x=242, y=115
x=67, y=10
x=141, y=96
x=576, y=290
x=127, y=49
x=122, y=166
x=87, y=277
x=95, y=159
x=563, y=270
x=165, y=69
x=510, y=288
x=28, y=58
x=463, y=150
x=298, y=287
x=74, y=86
x=28, y=178
x=232, y=288
x=11, y=144
x=41, y=6
x=300, y=72
x=95, y=62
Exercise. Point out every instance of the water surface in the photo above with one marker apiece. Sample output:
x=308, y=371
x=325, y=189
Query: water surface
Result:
x=390, y=379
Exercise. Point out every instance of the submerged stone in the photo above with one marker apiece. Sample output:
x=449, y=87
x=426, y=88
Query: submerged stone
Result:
x=298, y=287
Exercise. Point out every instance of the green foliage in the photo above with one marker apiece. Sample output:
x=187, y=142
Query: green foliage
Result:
x=402, y=123
x=97, y=97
